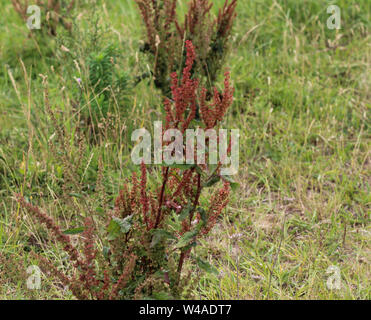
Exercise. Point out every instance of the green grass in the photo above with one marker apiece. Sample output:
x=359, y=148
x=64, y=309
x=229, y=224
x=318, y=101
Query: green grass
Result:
x=302, y=104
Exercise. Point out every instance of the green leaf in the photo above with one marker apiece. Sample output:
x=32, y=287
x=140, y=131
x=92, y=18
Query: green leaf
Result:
x=113, y=230
x=204, y=265
x=187, y=238
x=190, y=246
x=3, y=159
x=211, y=181
x=203, y=214
x=100, y=210
x=74, y=231
x=185, y=212
x=199, y=170
x=159, y=235
x=162, y=296
x=213, y=168
x=125, y=224
x=234, y=185
x=117, y=226
x=75, y=195
x=106, y=251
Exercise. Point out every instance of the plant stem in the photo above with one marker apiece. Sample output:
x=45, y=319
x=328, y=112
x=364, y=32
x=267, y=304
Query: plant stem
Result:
x=158, y=218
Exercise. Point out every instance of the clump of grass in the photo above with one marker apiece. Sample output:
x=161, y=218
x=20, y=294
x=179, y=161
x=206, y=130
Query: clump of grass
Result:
x=105, y=80
x=92, y=65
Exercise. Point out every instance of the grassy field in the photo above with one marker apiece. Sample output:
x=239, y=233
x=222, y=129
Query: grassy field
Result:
x=302, y=104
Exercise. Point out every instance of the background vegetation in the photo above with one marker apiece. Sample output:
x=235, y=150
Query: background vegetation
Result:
x=302, y=104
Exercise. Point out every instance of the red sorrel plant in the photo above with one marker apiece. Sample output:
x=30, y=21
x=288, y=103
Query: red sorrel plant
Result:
x=166, y=36
x=151, y=232
x=54, y=12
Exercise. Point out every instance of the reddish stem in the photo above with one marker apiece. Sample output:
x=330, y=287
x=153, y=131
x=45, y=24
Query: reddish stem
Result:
x=161, y=200
x=183, y=253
